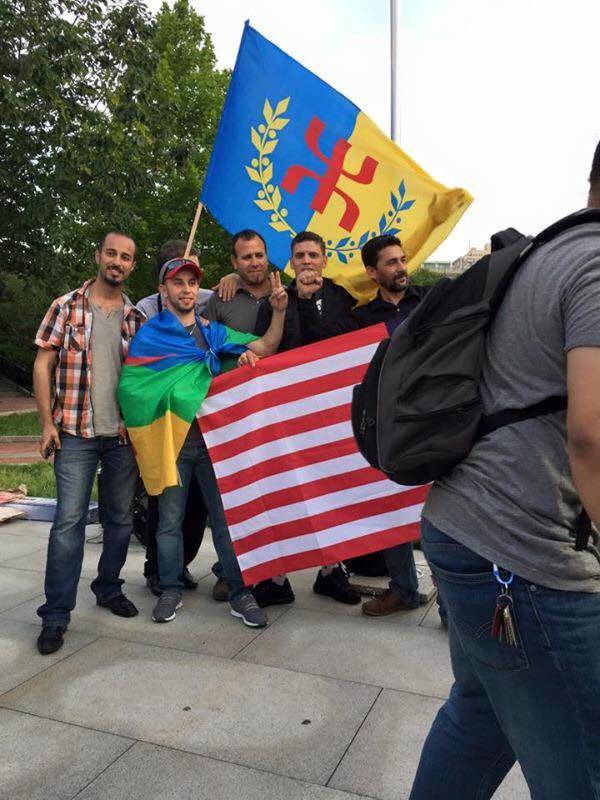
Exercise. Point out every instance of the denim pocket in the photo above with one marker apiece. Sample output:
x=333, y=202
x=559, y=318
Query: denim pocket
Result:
x=470, y=596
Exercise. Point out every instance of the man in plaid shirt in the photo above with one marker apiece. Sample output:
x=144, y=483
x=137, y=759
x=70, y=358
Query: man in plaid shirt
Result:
x=82, y=342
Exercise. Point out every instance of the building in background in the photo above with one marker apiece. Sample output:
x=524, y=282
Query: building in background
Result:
x=459, y=265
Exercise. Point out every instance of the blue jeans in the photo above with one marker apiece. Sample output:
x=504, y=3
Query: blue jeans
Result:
x=538, y=703
x=75, y=466
x=400, y=563
x=171, y=509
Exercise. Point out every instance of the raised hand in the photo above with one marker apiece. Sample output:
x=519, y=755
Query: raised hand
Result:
x=279, y=297
x=308, y=283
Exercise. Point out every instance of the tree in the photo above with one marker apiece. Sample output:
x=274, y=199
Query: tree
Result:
x=108, y=121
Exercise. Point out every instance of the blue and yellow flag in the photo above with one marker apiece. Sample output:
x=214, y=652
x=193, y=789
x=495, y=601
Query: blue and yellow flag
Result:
x=292, y=154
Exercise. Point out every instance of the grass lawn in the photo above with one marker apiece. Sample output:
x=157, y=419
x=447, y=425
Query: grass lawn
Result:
x=20, y=424
x=39, y=479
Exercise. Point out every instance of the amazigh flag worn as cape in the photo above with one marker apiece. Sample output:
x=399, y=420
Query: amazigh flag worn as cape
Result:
x=164, y=380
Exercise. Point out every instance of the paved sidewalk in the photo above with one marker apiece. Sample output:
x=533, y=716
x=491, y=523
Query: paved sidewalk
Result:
x=19, y=452
x=324, y=704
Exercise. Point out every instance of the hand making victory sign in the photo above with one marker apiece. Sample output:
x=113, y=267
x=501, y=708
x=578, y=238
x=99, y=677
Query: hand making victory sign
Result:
x=279, y=297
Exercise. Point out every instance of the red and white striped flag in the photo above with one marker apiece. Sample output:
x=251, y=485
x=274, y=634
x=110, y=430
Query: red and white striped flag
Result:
x=297, y=492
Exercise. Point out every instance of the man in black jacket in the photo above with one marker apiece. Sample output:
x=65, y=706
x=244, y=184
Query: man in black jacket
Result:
x=385, y=263
x=317, y=309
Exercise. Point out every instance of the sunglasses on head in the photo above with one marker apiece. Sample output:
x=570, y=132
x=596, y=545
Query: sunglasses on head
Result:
x=177, y=264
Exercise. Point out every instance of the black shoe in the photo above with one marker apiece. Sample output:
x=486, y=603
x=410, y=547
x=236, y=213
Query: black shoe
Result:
x=336, y=585
x=269, y=593
x=152, y=584
x=119, y=605
x=188, y=579
x=50, y=639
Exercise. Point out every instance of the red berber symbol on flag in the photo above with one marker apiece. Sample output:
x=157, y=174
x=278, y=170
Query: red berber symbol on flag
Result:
x=328, y=181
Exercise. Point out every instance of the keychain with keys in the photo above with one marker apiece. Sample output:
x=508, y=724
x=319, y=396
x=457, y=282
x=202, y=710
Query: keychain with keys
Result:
x=503, y=627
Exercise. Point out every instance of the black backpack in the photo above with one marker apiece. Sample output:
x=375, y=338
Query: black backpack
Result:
x=417, y=412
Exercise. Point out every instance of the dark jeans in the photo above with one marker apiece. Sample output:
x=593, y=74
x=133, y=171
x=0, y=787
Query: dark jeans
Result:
x=193, y=525
x=75, y=466
x=400, y=563
x=538, y=702
x=194, y=460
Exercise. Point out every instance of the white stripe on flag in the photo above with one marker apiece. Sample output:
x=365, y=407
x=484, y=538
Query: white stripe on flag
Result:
x=313, y=506
x=285, y=411
x=295, y=477
x=330, y=536
x=281, y=447
x=287, y=377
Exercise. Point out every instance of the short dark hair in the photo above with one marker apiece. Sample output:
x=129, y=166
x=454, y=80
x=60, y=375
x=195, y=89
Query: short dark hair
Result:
x=595, y=173
x=117, y=233
x=246, y=235
x=370, y=251
x=171, y=249
x=308, y=236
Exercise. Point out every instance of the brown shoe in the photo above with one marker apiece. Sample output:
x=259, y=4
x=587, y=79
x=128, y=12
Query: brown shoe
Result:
x=387, y=603
x=220, y=590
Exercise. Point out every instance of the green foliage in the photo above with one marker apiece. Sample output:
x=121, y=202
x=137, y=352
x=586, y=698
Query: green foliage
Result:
x=425, y=277
x=27, y=424
x=39, y=479
x=108, y=119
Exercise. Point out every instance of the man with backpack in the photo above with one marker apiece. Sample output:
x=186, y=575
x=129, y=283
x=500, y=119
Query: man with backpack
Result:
x=507, y=535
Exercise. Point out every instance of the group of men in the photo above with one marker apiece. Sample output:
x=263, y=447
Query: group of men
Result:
x=82, y=344
x=498, y=532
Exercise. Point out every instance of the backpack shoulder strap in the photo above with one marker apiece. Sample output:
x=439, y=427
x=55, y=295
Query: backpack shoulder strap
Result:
x=503, y=263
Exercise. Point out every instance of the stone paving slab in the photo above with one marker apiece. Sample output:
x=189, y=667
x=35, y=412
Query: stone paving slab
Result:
x=383, y=758
x=201, y=626
x=147, y=772
x=326, y=644
x=19, y=658
x=28, y=529
x=281, y=721
x=12, y=547
x=46, y=760
x=18, y=586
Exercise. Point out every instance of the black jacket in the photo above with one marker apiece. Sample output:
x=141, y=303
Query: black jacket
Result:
x=328, y=314
x=379, y=310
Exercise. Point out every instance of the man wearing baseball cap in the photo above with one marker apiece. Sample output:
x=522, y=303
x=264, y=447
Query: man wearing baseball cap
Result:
x=179, y=282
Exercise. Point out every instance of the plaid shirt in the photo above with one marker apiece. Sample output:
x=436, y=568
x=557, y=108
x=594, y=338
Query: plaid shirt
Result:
x=67, y=327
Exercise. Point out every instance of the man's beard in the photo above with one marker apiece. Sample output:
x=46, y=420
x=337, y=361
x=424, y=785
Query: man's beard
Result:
x=110, y=280
x=254, y=278
x=397, y=284
x=178, y=306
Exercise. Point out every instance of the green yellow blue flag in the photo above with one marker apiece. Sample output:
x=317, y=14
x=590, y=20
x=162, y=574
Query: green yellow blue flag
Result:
x=293, y=154
x=163, y=382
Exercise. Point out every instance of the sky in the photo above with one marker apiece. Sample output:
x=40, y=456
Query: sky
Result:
x=499, y=97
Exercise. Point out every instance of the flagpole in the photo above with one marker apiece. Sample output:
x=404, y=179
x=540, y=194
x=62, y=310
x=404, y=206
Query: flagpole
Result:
x=394, y=127
x=192, y=235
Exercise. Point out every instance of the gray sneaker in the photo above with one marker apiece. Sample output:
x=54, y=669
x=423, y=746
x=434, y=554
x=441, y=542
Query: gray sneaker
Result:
x=248, y=610
x=168, y=603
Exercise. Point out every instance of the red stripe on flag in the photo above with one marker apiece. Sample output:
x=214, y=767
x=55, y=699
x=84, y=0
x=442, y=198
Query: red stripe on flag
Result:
x=328, y=519
x=291, y=358
x=287, y=394
x=273, y=466
x=280, y=430
x=139, y=361
x=332, y=554
x=305, y=491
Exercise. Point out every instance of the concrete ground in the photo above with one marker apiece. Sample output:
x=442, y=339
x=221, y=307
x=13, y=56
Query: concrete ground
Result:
x=324, y=704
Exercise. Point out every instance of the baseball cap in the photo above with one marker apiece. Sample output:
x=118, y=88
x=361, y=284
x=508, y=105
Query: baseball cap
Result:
x=170, y=268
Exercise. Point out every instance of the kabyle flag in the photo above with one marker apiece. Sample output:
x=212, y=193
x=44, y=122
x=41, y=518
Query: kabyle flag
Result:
x=293, y=154
x=297, y=492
